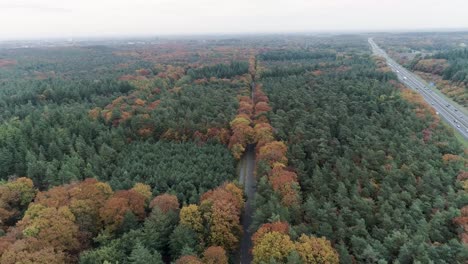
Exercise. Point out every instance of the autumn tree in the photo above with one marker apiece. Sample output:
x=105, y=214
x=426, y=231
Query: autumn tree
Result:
x=32, y=250
x=143, y=189
x=189, y=260
x=15, y=196
x=273, y=246
x=52, y=226
x=241, y=127
x=242, y=135
x=281, y=227
x=165, y=202
x=316, y=250
x=261, y=108
x=273, y=152
x=115, y=208
x=191, y=217
x=263, y=134
x=285, y=182
x=221, y=209
x=215, y=255
x=259, y=95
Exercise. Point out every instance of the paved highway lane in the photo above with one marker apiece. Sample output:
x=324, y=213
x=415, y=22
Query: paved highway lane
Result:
x=454, y=115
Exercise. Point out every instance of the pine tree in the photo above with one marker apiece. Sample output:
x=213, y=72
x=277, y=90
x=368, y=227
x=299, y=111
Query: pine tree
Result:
x=141, y=255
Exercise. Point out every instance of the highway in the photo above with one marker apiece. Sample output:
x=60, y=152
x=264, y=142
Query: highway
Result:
x=451, y=113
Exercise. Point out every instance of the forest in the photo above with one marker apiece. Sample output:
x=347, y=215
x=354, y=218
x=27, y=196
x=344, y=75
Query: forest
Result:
x=116, y=153
x=441, y=59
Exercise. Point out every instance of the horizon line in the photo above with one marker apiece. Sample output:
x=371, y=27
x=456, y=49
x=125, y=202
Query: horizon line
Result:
x=240, y=33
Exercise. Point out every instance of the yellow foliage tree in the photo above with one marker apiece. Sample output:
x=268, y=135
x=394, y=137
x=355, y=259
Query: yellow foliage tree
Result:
x=190, y=216
x=272, y=246
x=315, y=250
x=143, y=189
x=51, y=226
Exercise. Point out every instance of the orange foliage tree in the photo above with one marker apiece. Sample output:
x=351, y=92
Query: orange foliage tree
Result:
x=62, y=221
x=53, y=227
x=273, y=152
x=215, y=255
x=281, y=227
x=286, y=184
x=114, y=210
x=189, y=260
x=31, y=250
x=165, y=202
x=221, y=209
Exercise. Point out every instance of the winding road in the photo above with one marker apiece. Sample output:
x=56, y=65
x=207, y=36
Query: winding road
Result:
x=453, y=114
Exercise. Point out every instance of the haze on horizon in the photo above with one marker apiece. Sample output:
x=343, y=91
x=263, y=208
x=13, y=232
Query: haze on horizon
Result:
x=29, y=19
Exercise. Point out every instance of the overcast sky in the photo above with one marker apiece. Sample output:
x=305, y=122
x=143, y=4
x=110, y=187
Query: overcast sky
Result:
x=78, y=18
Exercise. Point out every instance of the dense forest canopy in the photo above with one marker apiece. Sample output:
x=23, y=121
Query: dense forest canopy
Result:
x=352, y=140
x=119, y=153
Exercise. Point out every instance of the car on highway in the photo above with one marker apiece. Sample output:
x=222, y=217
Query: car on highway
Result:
x=404, y=77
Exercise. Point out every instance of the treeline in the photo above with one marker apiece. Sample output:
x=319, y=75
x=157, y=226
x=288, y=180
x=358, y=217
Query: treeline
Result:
x=207, y=231
x=127, y=226
x=71, y=63
x=282, y=55
x=375, y=175
x=457, y=69
x=219, y=70
x=57, y=91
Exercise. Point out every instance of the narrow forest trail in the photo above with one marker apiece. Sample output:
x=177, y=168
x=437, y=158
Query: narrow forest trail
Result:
x=246, y=177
